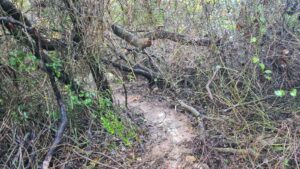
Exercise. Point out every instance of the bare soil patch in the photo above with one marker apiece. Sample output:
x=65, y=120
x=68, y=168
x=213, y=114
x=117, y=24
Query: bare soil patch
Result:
x=171, y=133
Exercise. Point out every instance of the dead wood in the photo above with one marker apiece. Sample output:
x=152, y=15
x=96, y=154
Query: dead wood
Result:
x=189, y=108
x=145, y=40
x=132, y=39
x=209, y=82
x=63, y=111
x=175, y=37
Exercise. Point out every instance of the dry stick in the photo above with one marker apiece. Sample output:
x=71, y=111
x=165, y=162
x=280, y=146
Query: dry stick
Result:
x=238, y=151
x=126, y=97
x=63, y=112
x=94, y=161
x=197, y=113
x=209, y=82
x=189, y=108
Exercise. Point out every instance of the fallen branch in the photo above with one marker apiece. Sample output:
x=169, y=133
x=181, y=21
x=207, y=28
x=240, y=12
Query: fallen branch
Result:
x=132, y=39
x=175, y=37
x=152, y=77
x=145, y=40
x=197, y=113
x=250, y=152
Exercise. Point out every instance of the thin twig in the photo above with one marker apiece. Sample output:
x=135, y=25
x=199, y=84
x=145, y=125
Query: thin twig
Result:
x=209, y=82
x=94, y=161
x=238, y=151
x=189, y=108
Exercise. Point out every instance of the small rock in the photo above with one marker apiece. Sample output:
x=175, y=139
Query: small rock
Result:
x=190, y=159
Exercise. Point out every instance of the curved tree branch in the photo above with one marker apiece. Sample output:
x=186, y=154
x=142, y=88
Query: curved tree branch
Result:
x=63, y=111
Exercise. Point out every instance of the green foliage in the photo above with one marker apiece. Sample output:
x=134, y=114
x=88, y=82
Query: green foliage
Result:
x=267, y=73
x=114, y=126
x=113, y=123
x=280, y=93
x=20, y=116
x=104, y=112
x=293, y=92
x=255, y=59
x=56, y=65
x=83, y=99
x=293, y=23
x=23, y=62
x=253, y=40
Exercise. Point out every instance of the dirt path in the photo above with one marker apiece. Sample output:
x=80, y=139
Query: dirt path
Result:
x=170, y=134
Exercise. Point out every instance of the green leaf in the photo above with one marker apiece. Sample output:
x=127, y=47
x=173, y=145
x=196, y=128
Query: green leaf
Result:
x=279, y=93
x=262, y=66
x=253, y=40
x=88, y=102
x=255, y=59
x=13, y=61
x=268, y=77
x=278, y=148
x=268, y=71
x=293, y=92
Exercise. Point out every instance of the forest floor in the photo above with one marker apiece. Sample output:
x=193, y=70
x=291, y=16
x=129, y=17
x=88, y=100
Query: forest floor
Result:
x=170, y=133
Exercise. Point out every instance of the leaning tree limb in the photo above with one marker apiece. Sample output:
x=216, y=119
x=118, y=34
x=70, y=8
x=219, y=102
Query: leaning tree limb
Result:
x=63, y=111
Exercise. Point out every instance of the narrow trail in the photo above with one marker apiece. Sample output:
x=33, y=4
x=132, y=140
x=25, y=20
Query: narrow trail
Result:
x=170, y=134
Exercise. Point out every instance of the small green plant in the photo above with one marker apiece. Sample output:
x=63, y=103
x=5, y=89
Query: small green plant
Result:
x=114, y=126
x=280, y=93
x=55, y=66
x=113, y=123
x=85, y=98
x=293, y=92
x=20, y=116
x=266, y=72
x=105, y=113
x=23, y=62
x=253, y=40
